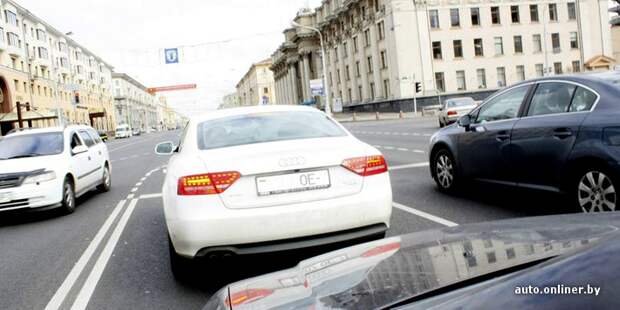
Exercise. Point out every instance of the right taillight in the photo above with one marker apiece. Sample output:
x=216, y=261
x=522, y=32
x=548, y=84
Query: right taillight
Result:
x=366, y=166
x=206, y=184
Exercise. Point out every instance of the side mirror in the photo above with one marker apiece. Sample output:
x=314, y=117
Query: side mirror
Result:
x=79, y=149
x=465, y=121
x=165, y=148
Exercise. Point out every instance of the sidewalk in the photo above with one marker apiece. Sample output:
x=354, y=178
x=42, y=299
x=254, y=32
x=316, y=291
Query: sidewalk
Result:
x=364, y=117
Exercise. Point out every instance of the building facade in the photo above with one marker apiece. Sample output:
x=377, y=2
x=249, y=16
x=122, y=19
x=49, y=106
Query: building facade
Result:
x=257, y=85
x=230, y=101
x=46, y=72
x=376, y=50
x=135, y=106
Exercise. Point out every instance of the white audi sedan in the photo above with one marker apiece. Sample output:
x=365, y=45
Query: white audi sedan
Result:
x=270, y=178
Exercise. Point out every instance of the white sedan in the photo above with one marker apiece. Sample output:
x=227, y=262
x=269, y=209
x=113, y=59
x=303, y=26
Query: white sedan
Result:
x=270, y=178
x=452, y=109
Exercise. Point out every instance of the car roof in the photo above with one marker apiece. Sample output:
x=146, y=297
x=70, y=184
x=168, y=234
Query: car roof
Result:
x=30, y=131
x=250, y=110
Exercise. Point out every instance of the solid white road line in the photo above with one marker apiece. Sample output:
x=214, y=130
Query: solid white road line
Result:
x=149, y=196
x=93, y=278
x=417, y=165
x=425, y=215
x=75, y=272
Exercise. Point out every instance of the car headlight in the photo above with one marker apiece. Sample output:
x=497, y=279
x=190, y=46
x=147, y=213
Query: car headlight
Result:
x=41, y=177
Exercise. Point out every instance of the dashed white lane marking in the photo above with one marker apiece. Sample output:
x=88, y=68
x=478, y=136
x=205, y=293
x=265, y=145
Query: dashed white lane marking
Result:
x=419, y=151
x=165, y=171
x=149, y=196
x=403, y=149
x=408, y=166
x=130, y=196
x=142, y=179
x=133, y=190
x=138, y=184
x=123, y=158
x=93, y=278
x=388, y=147
x=77, y=269
x=425, y=215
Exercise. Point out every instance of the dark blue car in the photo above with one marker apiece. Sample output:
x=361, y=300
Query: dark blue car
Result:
x=559, y=134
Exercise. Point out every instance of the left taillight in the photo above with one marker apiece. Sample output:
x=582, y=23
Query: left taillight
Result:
x=450, y=113
x=367, y=165
x=206, y=184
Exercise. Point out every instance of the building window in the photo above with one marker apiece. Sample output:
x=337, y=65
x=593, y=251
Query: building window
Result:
x=475, y=16
x=10, y=17
x=384, y=60
x=518, y=44
x=521, y=73
x=336, y=54
x=576, y=66
x=557, y=67
x=381, y=30
x=458, y=48
x=366, y=38
x=434, y=18
x=555, y=42
x=499, y=46
x=40, y=35
x=13, y=39
x=386, y=88
x=350, y=95
x=455, y=19
x=372, y=90
x=43, y=53
x=482, y=78
x=491, y=257
x=537, y=43
x=358, y=72
x=574, y=43
x=355, y=46
x=345, y=51
x=369, y=64
x=501, y=76
x=534, y=13
x=62, y=47
x=540, y=71
x=437, y=50
x=495, y=18
x=360, y=93
x=514, y=14
x=553, y=12
x=347, y=75
x=510, y=253
x=440, y=82
x=572, y=13
x=460, y=80
x=478, y=47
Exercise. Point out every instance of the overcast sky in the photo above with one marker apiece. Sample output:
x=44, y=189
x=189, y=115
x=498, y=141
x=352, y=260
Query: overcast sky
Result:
x=219, y=39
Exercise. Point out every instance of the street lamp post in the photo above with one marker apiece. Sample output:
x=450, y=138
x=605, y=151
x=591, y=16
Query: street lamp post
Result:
x=328, y=109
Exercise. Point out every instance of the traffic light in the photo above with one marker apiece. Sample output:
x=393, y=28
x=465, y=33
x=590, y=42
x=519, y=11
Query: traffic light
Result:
x=77, y=98
x=418, y=86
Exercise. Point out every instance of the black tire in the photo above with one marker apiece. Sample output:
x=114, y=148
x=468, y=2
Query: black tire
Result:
x=106, y=180
x=180, y=266
x=441, y=125
x=445, y=171
x=67, y=205
x=595, y=189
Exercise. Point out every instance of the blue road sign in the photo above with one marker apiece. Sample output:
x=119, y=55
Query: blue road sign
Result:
x=172, y=55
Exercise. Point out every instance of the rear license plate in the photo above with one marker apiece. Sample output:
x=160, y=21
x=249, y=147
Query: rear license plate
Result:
x=6, y=197
x=294, y=182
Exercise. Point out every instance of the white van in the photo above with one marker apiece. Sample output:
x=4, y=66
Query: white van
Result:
x=123, y=131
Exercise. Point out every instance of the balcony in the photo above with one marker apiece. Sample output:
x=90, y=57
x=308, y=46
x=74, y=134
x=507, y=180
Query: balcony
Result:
x=15, y=51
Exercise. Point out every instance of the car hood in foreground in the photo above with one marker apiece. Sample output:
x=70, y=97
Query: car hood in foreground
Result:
x=380, y=273
x=27, y=164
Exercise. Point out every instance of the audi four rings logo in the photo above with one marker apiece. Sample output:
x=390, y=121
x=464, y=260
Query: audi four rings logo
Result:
x=292, y=161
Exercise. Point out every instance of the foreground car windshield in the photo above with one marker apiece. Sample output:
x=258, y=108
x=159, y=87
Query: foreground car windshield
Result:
x=31, y=145
x=265, y=127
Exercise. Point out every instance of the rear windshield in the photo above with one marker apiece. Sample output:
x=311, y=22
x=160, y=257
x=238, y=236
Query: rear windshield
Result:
x=460, y=103
x=265, y=127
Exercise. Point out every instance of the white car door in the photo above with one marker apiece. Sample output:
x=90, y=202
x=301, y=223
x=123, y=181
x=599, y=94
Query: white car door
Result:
x=91, y=176
x=80, y=164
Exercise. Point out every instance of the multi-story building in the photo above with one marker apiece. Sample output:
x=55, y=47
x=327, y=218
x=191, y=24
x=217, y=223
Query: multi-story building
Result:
x=135, y=106
x=58, y=79
x=257, y=85
x=230, y=101
x=376, y=50
x=170, y=116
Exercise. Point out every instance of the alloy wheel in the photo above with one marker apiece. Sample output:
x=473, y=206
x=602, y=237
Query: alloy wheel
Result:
x=596, y=193
x=444, y=171
x=106, y=177
x=69, y=198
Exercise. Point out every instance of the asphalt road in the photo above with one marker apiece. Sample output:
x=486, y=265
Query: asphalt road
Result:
x=112, y=253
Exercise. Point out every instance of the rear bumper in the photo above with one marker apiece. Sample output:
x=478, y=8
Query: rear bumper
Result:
x=361, y=234
x=197, y=226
